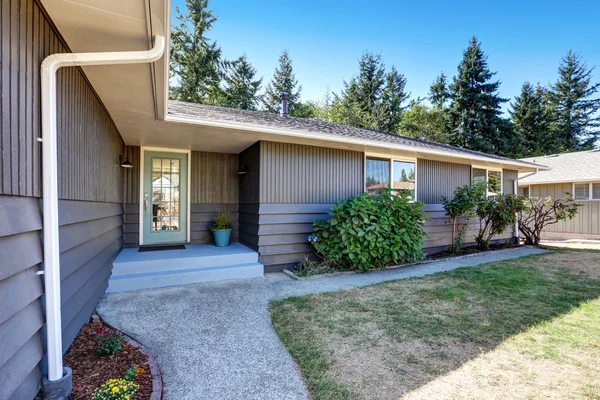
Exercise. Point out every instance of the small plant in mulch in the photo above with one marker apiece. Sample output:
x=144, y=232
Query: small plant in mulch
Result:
x=108, y=341
x=116, y=389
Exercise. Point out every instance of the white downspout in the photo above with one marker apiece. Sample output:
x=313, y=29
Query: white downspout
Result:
x=51, y=272
x=515, y=191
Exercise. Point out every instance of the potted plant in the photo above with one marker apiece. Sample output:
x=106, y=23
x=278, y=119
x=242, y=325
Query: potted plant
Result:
x=221, y=228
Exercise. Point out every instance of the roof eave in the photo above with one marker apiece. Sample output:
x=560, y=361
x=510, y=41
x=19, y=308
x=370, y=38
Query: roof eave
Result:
x=521, y=166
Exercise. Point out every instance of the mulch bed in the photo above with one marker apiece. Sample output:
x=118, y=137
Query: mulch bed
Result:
x=91, y=371
x=469, y=250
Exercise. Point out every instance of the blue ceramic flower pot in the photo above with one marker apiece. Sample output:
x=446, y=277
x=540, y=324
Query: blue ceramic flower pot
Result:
x=222, y=237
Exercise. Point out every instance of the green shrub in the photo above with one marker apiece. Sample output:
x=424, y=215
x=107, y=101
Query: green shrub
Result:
x=108, y=341
x=115, y=389
x=371, y=232
x=221, y=221
x=496, y=214
x=461, y=208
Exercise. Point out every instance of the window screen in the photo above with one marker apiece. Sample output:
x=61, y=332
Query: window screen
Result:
x=596, y=191
x=404, y=177
x=582, y=191
x=377, y=175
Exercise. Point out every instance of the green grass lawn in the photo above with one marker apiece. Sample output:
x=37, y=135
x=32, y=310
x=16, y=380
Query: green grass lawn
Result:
x=525, y=328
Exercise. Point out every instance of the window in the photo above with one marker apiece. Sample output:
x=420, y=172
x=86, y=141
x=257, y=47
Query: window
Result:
x=492, y=177
x=581, y=191
x=595, y=191
x=384, y=173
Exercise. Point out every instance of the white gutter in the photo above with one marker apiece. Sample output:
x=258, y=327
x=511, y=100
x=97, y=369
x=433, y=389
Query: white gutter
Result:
x=347, y=140
x=51, y=271
x=515, y=190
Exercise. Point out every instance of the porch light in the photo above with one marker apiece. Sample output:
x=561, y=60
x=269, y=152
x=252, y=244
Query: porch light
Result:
x=125, y=163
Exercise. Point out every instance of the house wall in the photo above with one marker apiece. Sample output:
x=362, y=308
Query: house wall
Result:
x=585, y=225
x=90, y=192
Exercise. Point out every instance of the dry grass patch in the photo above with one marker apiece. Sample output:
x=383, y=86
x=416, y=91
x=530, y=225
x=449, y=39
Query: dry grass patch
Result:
x=501, y=329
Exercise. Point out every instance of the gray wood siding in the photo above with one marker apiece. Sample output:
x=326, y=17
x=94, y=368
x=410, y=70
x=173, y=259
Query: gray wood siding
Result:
x=90, y=238
x=508, y=180
x=214, y=178
x=585, y=224
x=202, y=215
x=88, y=141
x=436, y=179
x=299, y=174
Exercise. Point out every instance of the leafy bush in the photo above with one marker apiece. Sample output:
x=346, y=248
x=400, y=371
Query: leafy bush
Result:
x=461, y=208
x=108, y=341
x=496, y=214
x=115, y=389
x=221, y=221
x=371, y=232
x=541, y=212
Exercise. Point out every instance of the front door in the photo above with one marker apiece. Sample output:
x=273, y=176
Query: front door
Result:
x=165, y=197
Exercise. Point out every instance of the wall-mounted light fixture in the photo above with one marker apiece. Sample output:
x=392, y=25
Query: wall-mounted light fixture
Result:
x=243, y=169
x=125, y=163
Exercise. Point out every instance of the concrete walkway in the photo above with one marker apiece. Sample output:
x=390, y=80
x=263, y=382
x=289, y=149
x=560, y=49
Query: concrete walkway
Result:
x=215, y=340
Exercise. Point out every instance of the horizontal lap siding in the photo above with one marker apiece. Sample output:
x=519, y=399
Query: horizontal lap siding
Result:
x=90, y=238
x=90, y=187
x=436, y=179
x=586, y=222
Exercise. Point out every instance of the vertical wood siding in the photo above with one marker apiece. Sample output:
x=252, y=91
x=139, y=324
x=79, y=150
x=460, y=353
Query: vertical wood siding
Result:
x=88, y=141
x=508, y=180
x=587, y=220
x=436, y=179
x=214, y=178
x=300, y=174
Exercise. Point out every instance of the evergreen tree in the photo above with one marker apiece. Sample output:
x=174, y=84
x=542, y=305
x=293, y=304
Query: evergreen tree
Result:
x=374, y=98
x=283, y=80
x=475, y=109
x=533, y=122
x=195, y=60
x=241, y=87
x=438, y=91
x=575, y=110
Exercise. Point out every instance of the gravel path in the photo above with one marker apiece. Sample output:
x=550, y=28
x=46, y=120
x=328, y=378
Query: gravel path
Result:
x=215, y=340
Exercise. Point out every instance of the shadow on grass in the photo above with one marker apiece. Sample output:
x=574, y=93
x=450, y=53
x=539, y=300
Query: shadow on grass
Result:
x=386, y=340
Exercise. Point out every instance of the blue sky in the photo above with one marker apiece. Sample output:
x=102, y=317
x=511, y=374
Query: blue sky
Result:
x=524, y=39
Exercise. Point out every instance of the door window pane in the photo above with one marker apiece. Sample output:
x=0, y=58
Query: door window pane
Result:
x=404, y=177
x=377, y=175
x=582, y=191
x=165, y=194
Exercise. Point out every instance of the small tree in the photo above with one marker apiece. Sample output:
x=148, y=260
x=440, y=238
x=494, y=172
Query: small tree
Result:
x=540, y=212
x=461, y=209
x=496, y=214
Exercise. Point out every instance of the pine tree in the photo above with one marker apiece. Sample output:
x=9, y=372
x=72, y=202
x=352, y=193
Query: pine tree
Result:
x=575, y=109
x=195, y=60
x=374, y=98
x=475, y=109
x=438, y=91
x=284, y=80
x=241, y=87
x=533, y=122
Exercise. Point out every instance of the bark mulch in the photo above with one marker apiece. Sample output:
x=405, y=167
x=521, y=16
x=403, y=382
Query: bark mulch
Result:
x=91, y=371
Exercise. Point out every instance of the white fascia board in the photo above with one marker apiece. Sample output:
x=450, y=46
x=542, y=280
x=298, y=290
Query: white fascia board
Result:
x=334, y=138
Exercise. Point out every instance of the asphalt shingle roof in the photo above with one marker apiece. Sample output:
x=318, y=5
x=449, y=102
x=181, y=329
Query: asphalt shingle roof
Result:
x=204, y=112
x=566, y=167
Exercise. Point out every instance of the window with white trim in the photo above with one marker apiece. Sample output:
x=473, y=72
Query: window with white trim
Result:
x=493, y=178
x=398, y=174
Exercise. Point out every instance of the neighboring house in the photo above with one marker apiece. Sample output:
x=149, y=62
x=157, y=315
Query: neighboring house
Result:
x=573, y=174
x=275, y=175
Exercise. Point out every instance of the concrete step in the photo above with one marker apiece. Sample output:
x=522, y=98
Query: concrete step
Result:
x=130, y=261
x=155, y=279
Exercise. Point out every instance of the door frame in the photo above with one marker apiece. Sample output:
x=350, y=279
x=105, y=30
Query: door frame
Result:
x=143, y=149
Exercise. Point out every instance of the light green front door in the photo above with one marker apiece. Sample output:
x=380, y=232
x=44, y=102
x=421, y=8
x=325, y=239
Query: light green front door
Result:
x=165, y=197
